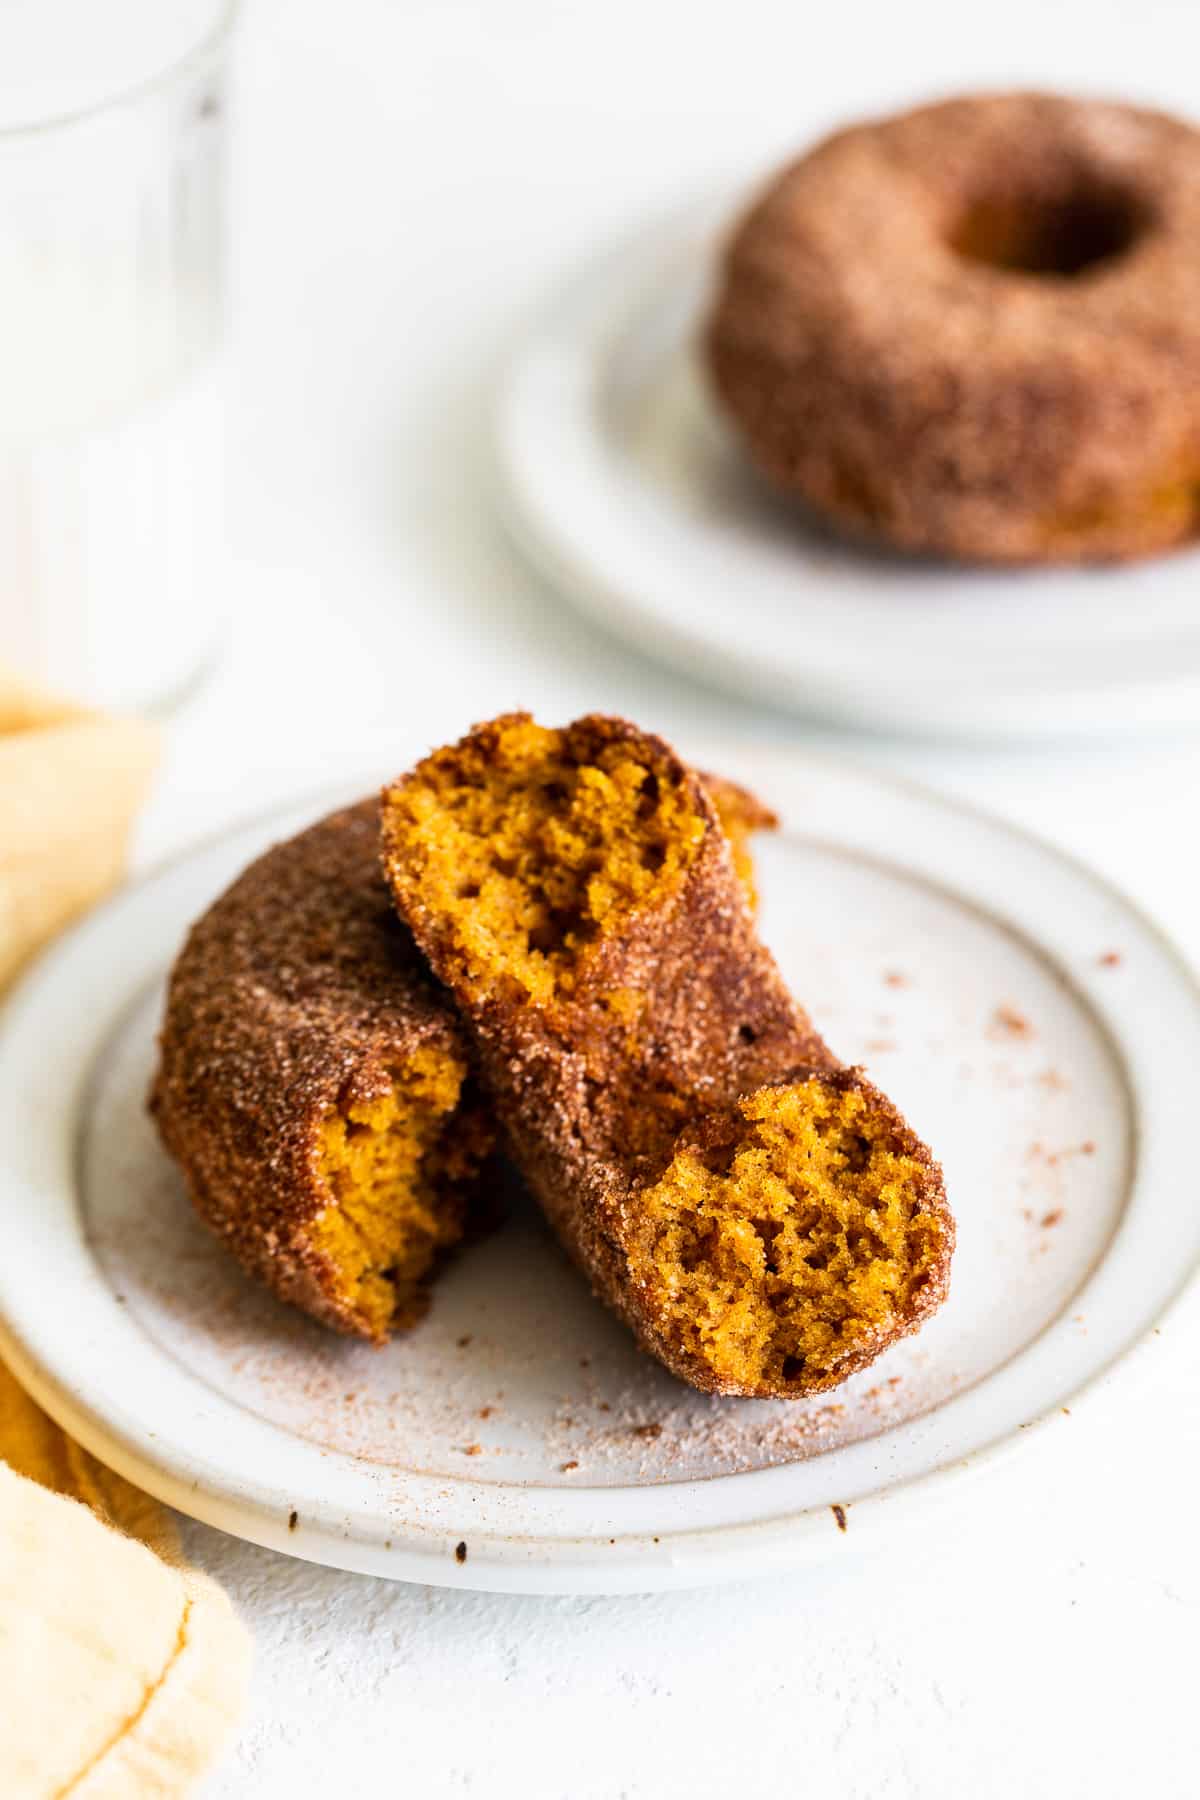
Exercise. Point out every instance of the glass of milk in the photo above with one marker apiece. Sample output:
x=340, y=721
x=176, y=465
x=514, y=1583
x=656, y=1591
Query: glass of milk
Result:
x=112, y=376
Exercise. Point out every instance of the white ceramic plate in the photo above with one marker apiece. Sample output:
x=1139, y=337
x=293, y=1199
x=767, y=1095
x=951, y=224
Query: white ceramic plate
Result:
x=620, y=481
x=1037, y=1031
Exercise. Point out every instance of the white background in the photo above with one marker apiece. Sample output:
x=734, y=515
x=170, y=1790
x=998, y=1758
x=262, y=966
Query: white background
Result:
x=409, y=177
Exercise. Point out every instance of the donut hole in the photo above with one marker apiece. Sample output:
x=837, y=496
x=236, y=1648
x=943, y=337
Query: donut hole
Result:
x=1063, y=235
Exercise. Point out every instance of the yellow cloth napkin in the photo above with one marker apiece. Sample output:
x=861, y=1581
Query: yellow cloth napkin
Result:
x=70, y=786
x=122, y=1670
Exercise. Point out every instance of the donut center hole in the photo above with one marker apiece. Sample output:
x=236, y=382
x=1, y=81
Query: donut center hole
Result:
x=1060, y=235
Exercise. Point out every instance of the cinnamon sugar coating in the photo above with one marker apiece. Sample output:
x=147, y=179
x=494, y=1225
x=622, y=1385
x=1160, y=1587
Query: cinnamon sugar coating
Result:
x=761, y=1217
x=295, y=1011
x=971, y=330
x=314, y=1080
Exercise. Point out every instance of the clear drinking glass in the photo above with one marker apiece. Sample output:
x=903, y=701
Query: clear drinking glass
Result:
x=112, y=367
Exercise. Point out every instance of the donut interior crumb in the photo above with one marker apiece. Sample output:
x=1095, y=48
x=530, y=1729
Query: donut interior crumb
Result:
x=397, y=1169
x=798, y=1237
x=528, y=853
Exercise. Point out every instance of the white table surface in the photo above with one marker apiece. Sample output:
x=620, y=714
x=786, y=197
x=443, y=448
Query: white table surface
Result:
x=408, y=177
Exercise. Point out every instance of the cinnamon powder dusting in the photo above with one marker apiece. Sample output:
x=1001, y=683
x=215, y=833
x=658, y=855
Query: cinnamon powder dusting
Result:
x=1008, y=1022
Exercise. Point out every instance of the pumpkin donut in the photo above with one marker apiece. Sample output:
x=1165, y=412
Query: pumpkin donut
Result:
x=760, y=1216
x=973, y=330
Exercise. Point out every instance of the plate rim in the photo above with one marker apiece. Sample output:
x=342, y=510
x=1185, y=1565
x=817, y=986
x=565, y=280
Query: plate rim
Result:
x=689, y=1556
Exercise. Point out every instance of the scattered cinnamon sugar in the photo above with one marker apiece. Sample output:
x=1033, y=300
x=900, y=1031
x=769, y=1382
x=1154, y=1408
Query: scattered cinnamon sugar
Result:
x=636, y=1430
x=839, y=1513
x=1037, y=1152
x=1111, y=959
x=880, y=1046
x=1053, y=1217
x=416, y=1406
x=713, y=1434
x=894, y=979
x=1007, y=1021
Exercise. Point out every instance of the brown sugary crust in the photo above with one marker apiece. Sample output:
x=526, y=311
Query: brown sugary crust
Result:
x=577, y=1096
x=297, y=993
x=738, y=808
x=939, y=404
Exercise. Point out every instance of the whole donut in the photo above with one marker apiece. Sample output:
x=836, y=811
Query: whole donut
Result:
x=973, y=330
